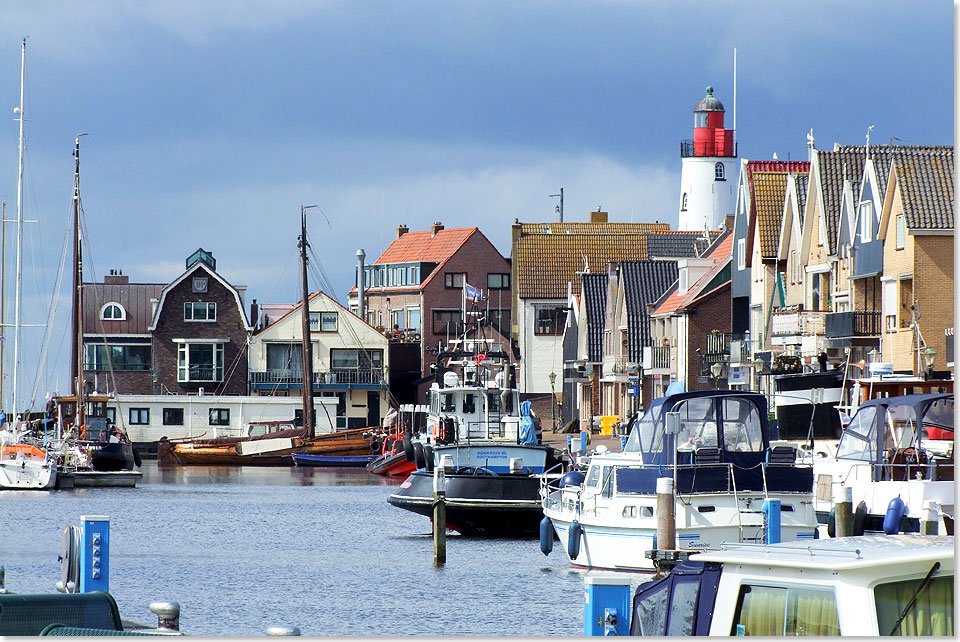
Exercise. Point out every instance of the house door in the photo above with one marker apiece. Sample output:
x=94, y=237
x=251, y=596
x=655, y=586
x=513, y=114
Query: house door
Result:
x=373, y=408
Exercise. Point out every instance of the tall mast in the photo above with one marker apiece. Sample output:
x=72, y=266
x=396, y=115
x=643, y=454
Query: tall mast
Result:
x=16, y=303
x=307, y=365
x=76, y=364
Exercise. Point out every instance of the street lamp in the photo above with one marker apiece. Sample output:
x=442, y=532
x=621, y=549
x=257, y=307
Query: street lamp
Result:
x=758, y=365
x=716, y=369
x=929, y=356
x=553, y=400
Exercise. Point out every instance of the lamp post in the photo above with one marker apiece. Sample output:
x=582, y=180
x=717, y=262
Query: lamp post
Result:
x=758, y=370
x=553, y=400
x=929, y=356
x=716, y=369
x=590, y=376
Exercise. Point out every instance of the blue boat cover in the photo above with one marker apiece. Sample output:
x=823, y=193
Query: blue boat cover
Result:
x=528, y=434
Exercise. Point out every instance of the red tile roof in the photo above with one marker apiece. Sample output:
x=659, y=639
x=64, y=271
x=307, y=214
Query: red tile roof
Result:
x=425, y=246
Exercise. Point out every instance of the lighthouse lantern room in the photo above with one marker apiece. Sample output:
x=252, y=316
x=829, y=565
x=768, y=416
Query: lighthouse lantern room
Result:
x=707, y=180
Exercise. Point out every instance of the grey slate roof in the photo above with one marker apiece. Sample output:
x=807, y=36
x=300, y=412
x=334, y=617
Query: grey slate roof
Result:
x=926, y=182
x=845, y=162
x=803, y=181
x=678, y=245
x=595, y=297
x=644, y=282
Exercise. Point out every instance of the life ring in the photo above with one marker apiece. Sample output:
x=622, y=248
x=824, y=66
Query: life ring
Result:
x=480, y=358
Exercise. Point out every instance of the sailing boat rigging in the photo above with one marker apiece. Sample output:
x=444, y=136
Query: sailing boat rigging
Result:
x=25, y=461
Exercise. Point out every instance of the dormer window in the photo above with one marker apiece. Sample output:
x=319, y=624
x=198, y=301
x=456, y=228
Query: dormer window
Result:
x=719, y=172
x=113, y=312
x=682, y=285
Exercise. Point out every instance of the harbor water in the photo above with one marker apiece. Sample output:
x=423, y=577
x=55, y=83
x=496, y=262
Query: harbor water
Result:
x=244, y=548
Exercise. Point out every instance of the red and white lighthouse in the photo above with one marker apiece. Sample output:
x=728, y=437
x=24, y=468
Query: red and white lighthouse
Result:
x=707, y=174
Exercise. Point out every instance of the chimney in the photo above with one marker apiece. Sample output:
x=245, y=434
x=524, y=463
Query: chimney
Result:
x=361, y=255
x=116, y=277
x=254, y=314
x=401, y=230
x=437, y=226
x=598, y=216
x=728, y=221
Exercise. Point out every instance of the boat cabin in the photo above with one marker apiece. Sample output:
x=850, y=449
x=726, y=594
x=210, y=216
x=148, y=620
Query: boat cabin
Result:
x=863, y=586
x=902, y=438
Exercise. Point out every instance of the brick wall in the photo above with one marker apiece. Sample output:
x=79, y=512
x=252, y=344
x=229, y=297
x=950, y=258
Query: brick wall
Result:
x=230, y=324
x=712, y=313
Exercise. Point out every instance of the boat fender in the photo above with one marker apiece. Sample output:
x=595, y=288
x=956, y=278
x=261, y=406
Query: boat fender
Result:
x=573, y=478
x=896, y=509
x=408, y=447
x=573, y=540
x=136, y=457
x=832, y=523
x=546, y=535
x=859, y=518
x=418, y=457
x=428, y=457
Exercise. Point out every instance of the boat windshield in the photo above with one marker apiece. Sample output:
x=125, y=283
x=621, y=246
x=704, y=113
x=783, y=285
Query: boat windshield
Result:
x=939, y=414
x=900, y=427
x=645, y=431
x=698, y=424
x=742, y=430
x=858, y=438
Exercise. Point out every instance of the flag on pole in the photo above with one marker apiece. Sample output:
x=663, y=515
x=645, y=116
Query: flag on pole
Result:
x=471, y=293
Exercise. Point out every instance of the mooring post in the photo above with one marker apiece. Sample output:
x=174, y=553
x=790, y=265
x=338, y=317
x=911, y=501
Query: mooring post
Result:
x=439, y=518
x=666, y=518
x=843, y=513
x=931, y=522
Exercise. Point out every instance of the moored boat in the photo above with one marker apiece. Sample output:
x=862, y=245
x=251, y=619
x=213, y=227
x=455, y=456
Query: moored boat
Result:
x=714, y=447
x=25, y=464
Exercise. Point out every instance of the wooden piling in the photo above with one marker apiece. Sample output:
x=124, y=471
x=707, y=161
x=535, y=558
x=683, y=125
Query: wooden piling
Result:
x=439, y=518
x=843, y=513
x=666, y=518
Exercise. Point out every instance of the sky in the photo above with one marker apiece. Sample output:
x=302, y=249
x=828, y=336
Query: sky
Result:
x=210, y=123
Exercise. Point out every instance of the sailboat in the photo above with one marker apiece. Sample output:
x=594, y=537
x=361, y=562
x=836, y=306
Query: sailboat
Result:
x=25, y=460
x=299, y=446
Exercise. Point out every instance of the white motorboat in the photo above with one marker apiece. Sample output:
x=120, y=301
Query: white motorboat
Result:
x=724, y=471
x=896, y=458
x=24, y=464
x=863, y=586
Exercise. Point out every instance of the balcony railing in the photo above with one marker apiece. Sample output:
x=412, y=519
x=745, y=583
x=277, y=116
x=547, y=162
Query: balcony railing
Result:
x=371, y=376
x=718, y=343
x=689, y=148
x=856, y=323
x=659, y=358
x=793, y=322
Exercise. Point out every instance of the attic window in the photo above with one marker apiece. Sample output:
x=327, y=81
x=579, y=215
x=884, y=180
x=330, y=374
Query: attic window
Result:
x=113, y=312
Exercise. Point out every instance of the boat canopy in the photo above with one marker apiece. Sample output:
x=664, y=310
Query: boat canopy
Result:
x=882, y=426
x=722, y=425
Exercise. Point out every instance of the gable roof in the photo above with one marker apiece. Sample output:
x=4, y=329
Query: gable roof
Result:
x=753, y=168
x=295, y=307
x=925, y=178
x=199, y=265
x=770, y=190
x=672, y=301
x=595, y=296
x=843, y=163
x=643, y=283
x=545, y=263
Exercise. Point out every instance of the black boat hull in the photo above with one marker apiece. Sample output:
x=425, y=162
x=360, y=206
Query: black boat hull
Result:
x=112, y=457
x=484, y=504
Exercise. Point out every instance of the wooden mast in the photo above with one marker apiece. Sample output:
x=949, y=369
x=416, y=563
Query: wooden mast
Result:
x=76, y=363
x=307, y=360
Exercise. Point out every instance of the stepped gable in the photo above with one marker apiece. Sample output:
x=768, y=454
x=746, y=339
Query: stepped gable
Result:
x=550, y=255
x=595, y=296
x=644, y=282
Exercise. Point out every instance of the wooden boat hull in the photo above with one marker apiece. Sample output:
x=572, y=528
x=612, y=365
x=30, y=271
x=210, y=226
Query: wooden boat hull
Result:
x=208, y=452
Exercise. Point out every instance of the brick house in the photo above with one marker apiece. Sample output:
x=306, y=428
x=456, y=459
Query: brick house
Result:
x=413, y=292
x=199, y=333
x=916, y=228
x=692, y=320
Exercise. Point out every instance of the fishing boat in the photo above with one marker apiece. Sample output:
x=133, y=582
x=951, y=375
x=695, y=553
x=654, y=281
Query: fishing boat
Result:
x=852, y=586
x=486, y=441
x=896, y=458
x=713, y=446
x=397, y=457
x=26, y=461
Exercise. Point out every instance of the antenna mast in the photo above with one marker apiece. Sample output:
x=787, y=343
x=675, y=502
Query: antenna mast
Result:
x=16, y=304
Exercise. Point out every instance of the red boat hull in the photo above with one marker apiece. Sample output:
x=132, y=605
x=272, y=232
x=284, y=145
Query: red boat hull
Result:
x=395, y=465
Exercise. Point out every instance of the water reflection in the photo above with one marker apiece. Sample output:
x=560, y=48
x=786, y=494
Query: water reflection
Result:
x=264, y=475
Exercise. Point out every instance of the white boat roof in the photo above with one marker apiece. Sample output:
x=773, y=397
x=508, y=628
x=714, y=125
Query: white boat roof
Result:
x=840, y=553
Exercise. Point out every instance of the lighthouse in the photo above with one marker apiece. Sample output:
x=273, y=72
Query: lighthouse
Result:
x=708, y=184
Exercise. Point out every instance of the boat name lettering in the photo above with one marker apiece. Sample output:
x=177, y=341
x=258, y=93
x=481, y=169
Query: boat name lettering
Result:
x=492, y=454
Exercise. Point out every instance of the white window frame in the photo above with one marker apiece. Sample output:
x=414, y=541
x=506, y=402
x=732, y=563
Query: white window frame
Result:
x=901, y=231
x=719, y=172
x=111, y=306
x=741, y=254
x=866, y=221
x=183, y=362
x=191, y=306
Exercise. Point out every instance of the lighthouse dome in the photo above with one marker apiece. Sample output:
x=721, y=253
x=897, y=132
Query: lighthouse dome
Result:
x=709, y=103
